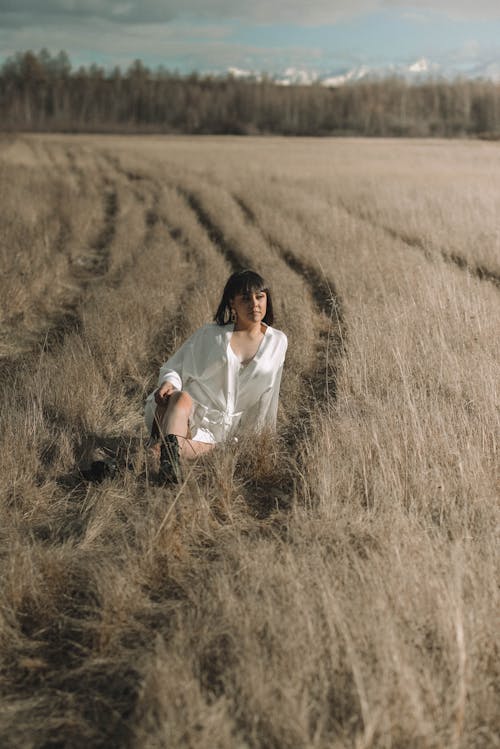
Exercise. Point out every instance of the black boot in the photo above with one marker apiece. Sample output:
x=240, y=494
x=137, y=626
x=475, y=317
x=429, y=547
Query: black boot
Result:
x=170, y=470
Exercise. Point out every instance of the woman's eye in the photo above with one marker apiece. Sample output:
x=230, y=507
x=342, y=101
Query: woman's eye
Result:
x=249, y=297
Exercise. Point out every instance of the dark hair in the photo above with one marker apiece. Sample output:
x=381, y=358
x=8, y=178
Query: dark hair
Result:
x=242, y=282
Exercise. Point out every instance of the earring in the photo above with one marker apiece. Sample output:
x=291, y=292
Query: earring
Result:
x=233, y=315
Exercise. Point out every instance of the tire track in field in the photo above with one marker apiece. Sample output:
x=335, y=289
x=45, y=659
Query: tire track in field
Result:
x=236, y=259
x=83, y=271
x=153, y=216
x=95, y=263
x=76, y=170
x=332, y=334
x=166, y=338
x=134, y=179
x=146, y=189
x=476, y=270
x=88, y=267
x=138, y=183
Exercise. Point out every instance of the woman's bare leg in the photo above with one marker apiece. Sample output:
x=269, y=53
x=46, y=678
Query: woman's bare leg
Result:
x=190, y=449
x=174, y=419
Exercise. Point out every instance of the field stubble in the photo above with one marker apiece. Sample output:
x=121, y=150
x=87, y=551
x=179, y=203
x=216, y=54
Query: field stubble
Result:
x=332, y=587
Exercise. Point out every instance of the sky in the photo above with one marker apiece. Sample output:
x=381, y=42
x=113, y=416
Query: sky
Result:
x=322, y=36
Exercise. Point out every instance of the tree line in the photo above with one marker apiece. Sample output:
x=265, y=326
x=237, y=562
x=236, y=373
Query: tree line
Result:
x=41, y=92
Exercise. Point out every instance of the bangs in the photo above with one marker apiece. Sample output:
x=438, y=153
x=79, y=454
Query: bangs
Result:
x=244, y=282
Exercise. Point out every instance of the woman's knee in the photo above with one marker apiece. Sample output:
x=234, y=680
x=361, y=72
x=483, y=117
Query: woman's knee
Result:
x=181, y=400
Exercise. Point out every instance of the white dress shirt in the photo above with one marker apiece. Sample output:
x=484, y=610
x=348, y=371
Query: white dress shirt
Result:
x=228, y=396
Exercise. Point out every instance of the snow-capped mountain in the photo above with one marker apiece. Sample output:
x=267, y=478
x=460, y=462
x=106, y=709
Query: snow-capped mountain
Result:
x=422, y=66
x=415, y=71
x=240, y=73
x=420, y=70
x=355, y=74
x=488, y=70
x=294, y=76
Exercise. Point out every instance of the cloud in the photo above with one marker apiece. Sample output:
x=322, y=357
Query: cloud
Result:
x=17, y=13
x=456, y=9
x=176, y=46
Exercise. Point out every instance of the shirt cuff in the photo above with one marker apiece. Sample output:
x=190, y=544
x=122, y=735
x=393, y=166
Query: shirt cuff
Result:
x=172, y=377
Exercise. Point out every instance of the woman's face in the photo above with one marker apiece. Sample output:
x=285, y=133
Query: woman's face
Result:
x=250, y=306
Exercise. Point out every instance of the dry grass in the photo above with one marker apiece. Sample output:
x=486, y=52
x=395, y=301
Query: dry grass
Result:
x=334, y=587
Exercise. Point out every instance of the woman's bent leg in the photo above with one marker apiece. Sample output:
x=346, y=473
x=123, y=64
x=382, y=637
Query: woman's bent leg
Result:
x=173, y=422
x=190, y=449
x=174, y=418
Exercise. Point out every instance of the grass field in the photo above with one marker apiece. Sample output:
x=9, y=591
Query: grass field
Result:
x=335, y=586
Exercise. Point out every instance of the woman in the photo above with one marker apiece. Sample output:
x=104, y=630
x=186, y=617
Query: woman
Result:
x=223, y=380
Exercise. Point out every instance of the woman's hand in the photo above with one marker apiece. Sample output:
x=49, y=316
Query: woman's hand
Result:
x=162, y=393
